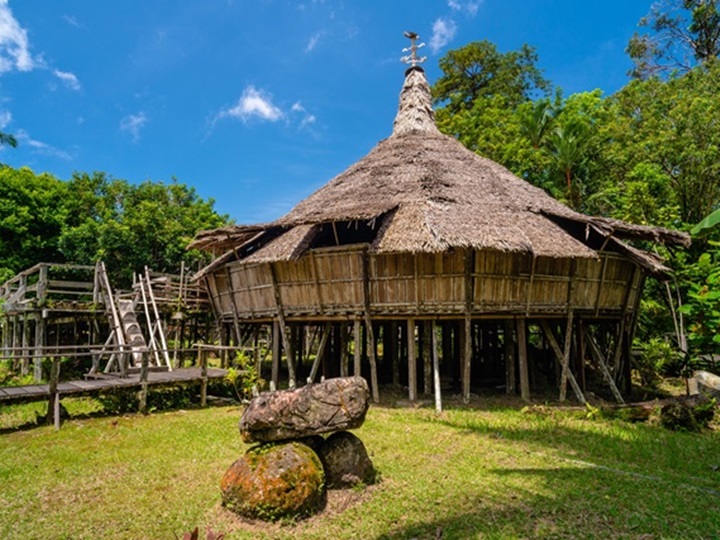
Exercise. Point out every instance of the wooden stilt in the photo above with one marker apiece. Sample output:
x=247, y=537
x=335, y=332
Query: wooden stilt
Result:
x=275, y=375
x=600, y=359
x=287, y=342
x=25, y=365
x=469, y=261
x=394, y=352
x=412, y=360
x=523, y=359
x=320, y=352
x=357, y=348
x=565, y=361
x=427, y=352
x=582, y=350
x=344, y=359
x=369, y=331
x=509, y=349
x=40, y=328
x=436, y=368
x=559, y=356
x=467, y=357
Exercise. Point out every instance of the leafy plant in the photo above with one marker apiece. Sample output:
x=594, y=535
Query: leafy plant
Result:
x=244, y=377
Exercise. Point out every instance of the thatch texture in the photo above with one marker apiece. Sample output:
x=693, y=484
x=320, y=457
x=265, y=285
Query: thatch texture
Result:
x=431, y=194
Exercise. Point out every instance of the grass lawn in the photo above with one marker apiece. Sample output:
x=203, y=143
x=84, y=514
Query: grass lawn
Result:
x=487, y=471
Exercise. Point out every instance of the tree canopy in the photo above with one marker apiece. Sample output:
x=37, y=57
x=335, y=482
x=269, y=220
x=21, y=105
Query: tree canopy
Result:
x=679, y=35
x=92, y=217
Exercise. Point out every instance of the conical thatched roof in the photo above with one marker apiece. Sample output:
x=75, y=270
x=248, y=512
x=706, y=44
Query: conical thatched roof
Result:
x=425, y=192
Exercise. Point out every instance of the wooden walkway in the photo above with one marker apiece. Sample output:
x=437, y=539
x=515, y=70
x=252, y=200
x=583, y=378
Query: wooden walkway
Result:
x=41, y=392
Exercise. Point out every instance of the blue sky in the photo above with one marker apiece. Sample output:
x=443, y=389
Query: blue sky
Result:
x=257, y=103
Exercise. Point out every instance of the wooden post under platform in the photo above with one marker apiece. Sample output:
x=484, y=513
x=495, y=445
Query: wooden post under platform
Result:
x=559, y=356
x=509, y=347
x=412, y=360
x=436, y=368
x=523, y=359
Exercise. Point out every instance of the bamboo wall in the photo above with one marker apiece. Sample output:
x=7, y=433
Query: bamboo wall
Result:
x=331, y=283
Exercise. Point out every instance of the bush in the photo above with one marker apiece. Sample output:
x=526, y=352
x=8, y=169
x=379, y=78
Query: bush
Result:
x=658, y=358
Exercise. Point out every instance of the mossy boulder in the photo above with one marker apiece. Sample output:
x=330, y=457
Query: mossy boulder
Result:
x=346, y=461
x=274, y=481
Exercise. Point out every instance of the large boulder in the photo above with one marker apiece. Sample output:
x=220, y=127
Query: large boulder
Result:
x=333, y=405
x=273, y=481
x=346, y=461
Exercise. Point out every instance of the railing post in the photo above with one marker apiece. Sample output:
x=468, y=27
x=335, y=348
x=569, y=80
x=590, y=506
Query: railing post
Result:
x=142, y=406
x=203, y=378
x=54, y=403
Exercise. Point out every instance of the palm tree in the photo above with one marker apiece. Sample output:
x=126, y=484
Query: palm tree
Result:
x=568, y=146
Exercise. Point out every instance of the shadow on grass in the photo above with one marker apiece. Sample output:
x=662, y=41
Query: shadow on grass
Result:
x=569, y=503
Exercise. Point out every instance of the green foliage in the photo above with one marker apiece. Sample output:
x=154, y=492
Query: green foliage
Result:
x=93, y=217
x=479, y=71
x=687, y=417
x=125, y=400
x=9, y=377
x=658, y=358
x=244, y=377
x=702, y=306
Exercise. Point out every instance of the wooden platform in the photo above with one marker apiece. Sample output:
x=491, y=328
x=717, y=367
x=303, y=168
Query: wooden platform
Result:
x=40, y=392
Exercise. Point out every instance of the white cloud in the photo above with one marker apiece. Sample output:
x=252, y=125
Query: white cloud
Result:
x=252, y=103
x=5, y=119
x=71, y=20
x=470, y=7
x=70, y=80
x=133, y=124
x=314, y=40
x=307, y=118
x=14, y=45
x=443, y=31
x=40, y=147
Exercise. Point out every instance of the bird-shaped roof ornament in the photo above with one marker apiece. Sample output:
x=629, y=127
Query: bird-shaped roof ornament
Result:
x=413, y=59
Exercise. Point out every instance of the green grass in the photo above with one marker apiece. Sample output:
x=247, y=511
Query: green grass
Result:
x=493, y=471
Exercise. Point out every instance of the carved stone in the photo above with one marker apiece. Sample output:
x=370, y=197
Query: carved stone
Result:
x=333, y=405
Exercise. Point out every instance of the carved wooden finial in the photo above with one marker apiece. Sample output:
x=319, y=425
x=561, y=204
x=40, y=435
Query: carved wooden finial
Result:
x=413, y=59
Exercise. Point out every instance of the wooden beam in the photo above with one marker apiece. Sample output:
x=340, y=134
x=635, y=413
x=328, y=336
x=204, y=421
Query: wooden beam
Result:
x=523, y=359
x=320, y=351
x=357, y=349
x=469, y=261
x=565, y=362
x=467, y=357
x=427, y=352
x=600, y=359
x=509, y=347
x=318, y=291
x=369, y=332
x=600, y=285
x=275, y=374
x=436, y=368
x=287, y=342
x=530, y=286
x=559, y=356
x=412, y=360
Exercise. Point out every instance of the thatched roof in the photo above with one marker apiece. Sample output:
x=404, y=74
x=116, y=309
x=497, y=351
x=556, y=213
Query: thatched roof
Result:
x=429, y=193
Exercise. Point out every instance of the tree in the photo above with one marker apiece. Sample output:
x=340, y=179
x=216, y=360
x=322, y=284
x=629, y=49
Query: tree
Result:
x=479, y=70
x=131, y=226
x=673, y=128
x=31, y=219
x=682, y=34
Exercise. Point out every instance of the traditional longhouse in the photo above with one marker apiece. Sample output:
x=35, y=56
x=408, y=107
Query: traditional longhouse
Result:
x=423, y=245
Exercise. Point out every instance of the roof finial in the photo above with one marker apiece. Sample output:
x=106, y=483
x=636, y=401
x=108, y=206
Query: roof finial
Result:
x=413, y=59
